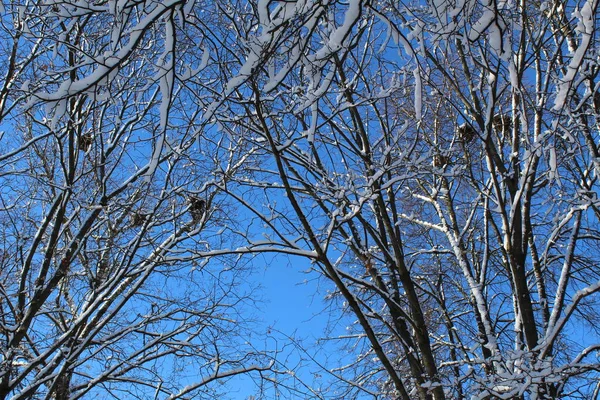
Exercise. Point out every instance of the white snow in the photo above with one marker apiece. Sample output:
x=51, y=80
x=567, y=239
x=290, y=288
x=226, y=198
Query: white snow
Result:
x=107, y=61
x=418, y=94
x=263, y=12
x=586, y=29
x=337, y=37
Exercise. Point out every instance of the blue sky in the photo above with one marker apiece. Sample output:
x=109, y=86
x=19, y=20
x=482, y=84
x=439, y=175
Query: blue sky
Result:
x=290, y=307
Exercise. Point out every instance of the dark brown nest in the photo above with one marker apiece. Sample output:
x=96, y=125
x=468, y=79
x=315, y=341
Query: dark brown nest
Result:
x=138, y=218
x=466, y=133
x=85, y=141
x=502, y=123
x=197, y=208
x=440, y=160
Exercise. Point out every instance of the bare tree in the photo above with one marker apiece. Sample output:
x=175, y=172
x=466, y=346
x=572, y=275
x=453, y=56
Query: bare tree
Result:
x=436, y=161
x=110, y=207
x=438, y=164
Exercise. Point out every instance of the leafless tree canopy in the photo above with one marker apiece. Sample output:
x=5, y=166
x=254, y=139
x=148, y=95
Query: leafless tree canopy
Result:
x=436, y=161
x=105, y=288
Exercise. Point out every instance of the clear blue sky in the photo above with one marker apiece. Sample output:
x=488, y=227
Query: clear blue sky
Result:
x=292, y=305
